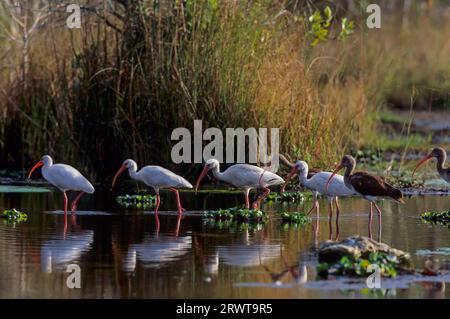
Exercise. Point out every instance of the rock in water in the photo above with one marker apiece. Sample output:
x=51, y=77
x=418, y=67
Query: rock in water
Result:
x=356, y=247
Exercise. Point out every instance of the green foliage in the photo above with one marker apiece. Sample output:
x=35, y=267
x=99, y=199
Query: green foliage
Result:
x=347, y=28
x=238, y=214
x=295, y=218
x=387, y=264
x=320, y=24
x=285, y=197
x=137, y=201
x=12, y=216
x=441, y=218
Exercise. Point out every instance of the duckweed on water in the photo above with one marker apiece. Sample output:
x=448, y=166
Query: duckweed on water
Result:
x=441, y=218
x=238, y=214
x=388, y=266
x=12, y=216
x=137, y=201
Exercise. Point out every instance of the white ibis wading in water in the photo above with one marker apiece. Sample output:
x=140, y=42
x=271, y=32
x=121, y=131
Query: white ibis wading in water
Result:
x=317, y=184
x=65, y=178
x=243, y=176
x=156, y=177
x=370, y=187
x=439, y=154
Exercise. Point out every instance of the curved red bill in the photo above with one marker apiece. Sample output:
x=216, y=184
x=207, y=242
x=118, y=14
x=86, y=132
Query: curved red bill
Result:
x=423, y=161
x=338, y=168
x=38, y=164
x=121, y=169
x=288, y=178
x=200, y=177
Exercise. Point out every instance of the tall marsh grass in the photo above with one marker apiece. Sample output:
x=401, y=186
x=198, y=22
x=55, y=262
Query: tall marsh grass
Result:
x=120, y=85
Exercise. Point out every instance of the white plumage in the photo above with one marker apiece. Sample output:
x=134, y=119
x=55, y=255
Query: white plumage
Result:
x=318, y=185
x=156, y=177
x=243, y=176
x=65, y=178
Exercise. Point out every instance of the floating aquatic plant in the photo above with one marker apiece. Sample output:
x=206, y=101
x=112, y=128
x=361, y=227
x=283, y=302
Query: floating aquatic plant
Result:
x=388, y=266
x=12, y=216
x=234, y=225
x=238, y=214
x=441, y=218
x=136, y=201
x=285, y=197
x=295, y=218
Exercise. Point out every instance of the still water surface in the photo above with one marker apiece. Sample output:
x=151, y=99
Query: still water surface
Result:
x=126, y=254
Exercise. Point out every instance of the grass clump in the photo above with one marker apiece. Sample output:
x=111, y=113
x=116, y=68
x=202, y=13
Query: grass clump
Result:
x=388, y=266
x=12, y=216
x=237, y=214
x=285, y=197
x=137, y=201
x=440, y=218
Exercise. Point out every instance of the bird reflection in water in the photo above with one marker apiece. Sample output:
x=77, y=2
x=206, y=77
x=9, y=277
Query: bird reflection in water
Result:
x=297, y=271
x=57, y=253
x=157, y=250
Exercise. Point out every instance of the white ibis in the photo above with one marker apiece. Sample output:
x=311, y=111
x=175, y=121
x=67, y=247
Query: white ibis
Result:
x=243, y=176
x=439, y=154
x=317, y=184
x=156, y=177
x=370, y=187
x=65, y=178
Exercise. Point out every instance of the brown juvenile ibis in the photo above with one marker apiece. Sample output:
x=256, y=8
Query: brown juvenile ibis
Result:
x=370, y=187
x=439, y=154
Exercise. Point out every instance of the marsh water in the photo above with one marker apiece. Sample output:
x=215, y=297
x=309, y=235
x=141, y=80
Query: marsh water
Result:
x=127, y=254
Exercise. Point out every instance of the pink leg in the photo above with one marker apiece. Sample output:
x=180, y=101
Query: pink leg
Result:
x=338, y=211
x=177, y=229
x=379, y=221
x=158, y=201
x=65, y=202
x=247, y=200
x=75, y=202
x=180, y=209
x=330, y=220
x=157, y=224
x=65, y=214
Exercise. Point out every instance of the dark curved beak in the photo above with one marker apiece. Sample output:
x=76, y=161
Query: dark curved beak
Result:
x=423, y=161
x=201, y=176
x=38, y=164
x=338, y=168
x=120, y=171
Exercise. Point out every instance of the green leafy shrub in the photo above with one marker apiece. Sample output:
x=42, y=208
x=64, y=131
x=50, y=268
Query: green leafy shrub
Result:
x=12, y=216
x=137, y=201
